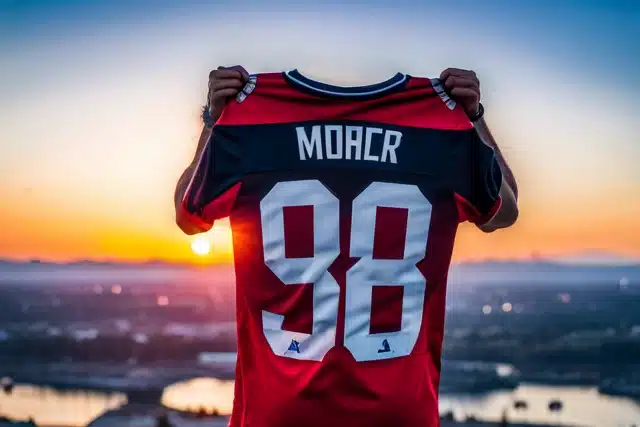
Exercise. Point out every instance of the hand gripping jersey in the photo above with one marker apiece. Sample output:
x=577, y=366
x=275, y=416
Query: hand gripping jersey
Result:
x=344, y=204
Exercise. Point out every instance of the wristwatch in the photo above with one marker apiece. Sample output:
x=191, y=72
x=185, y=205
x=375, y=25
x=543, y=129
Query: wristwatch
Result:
x=478, y=115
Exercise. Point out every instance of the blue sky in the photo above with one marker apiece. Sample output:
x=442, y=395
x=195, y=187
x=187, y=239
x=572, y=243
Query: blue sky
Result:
x=599, y=34
x=100, y=101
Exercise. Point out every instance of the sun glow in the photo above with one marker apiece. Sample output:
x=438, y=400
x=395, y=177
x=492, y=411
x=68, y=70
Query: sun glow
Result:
x=201, y=245
x=218, y=242
x=221, y=237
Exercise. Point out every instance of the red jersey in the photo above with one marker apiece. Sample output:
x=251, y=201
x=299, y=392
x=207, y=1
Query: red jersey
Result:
x=344, y=205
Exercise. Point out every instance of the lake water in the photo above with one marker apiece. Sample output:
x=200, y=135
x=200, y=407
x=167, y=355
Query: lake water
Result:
x=207, y=393
x=51, y=407
x=583, y=407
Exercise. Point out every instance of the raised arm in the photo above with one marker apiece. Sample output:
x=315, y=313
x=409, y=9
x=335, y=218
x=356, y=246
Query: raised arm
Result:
x=508, y=212
x=185, y=178
x=223, y=84
x=464, y=87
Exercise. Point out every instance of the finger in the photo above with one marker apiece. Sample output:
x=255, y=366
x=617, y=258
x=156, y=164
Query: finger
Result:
x=216, y=86
x=223, y=94
x=226, y=84
x=241, y=69
x=464, y=93
x=454, y=81
x=457, y=72
x=223, y=73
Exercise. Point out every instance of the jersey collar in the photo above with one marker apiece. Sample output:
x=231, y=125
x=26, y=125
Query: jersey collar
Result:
x=295, y=78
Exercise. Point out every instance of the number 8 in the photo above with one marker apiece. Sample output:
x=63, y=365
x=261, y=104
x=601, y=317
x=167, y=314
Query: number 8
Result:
x=360, y=279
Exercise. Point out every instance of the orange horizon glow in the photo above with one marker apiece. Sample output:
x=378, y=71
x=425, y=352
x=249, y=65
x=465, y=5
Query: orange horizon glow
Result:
x=67, y=234
x=531, y=237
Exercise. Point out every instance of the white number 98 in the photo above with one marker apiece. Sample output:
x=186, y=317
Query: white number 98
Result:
x=360, y=279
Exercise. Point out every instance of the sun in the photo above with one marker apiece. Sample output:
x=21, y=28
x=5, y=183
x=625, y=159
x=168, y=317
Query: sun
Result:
x=218, y=242
x=201, y=245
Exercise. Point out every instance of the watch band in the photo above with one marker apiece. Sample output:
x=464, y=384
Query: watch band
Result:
x=479, y=114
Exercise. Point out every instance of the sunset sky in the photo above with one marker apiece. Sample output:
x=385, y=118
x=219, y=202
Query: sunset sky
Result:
x=100, y=101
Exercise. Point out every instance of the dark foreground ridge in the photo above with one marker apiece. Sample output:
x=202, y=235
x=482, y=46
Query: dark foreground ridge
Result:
x=134, y=415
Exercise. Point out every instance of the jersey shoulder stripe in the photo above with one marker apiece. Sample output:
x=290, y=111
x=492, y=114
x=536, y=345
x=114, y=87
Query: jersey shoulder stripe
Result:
x=272, y=98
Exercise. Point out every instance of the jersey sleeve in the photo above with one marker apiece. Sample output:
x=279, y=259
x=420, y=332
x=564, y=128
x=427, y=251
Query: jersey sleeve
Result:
x=212, y=191
x=478, y=181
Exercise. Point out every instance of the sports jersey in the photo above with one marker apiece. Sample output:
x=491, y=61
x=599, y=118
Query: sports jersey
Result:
x=344, y=205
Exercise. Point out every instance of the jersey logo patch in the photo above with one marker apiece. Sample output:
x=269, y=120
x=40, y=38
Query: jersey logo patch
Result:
x=294, y=346
x=385, y=347
x=437, y=86
x=247, y=89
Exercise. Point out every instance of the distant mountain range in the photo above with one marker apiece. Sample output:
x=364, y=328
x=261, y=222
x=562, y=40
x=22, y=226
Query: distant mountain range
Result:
x=544, y=272
x=584, y=268
x=587, y=267
x=593, y=257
